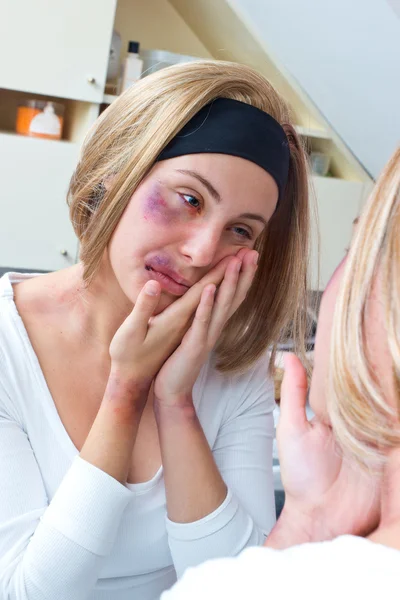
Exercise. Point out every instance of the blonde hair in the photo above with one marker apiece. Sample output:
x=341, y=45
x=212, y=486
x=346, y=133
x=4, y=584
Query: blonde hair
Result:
x=362, y=420
x=125, y=142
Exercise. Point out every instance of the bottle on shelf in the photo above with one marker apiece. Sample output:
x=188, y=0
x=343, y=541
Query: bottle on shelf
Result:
x=39, y=118
x=113, y=60
x=132, y=68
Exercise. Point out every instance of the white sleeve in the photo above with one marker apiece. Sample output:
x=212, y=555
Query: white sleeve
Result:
x=300, y=572
x=348, y=567
x=51, y=552
x=243, y=454
x=254, y=575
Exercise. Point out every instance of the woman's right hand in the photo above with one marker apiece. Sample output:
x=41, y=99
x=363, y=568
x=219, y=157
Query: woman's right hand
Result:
x=142, y=343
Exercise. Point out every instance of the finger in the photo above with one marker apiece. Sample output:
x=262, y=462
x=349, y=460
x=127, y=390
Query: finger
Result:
x=242, y=253
x=249, y=268
x=145, y=306
x=215, y=276
x=225, y=296
x=204, y=310
x=293, y=395
x=197, y=336
x=183, y=309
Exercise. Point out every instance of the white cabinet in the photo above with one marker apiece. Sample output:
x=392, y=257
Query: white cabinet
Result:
x=35, y=231
x=338, y=203
x=56, y=47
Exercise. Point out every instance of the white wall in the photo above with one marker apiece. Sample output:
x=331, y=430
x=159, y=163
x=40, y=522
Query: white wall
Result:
x=157, y=26
x=345, y=54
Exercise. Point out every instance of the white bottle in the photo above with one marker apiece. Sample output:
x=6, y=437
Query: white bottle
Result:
x=132, y=67
x=46, y=123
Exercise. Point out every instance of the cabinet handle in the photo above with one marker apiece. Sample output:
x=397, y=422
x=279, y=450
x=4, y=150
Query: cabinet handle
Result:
x=64, y=252
x=91, y=80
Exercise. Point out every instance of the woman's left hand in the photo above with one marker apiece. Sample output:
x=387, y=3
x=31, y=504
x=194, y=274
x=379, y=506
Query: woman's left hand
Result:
x=327, y=495
x=175, y=380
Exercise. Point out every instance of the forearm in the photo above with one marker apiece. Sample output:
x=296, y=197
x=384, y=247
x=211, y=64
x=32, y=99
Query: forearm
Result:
x=112, y=437
x=194, y=486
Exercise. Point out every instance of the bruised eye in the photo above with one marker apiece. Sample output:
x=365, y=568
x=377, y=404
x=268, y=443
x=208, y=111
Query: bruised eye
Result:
x=191, y=200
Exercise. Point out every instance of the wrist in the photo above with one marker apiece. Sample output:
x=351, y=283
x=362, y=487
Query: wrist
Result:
x=176, y=406
x=124, y=390
x=298, y=525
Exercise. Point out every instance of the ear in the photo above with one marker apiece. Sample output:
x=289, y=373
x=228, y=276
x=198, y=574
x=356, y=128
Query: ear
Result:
x=108, y=181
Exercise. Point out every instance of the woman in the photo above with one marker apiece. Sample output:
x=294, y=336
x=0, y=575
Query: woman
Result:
x=349, y=500
x=186, y=182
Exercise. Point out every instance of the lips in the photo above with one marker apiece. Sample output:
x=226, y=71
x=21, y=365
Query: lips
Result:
x=158, y=266
x=168, y=278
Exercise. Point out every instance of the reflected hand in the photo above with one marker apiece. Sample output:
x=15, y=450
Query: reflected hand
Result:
x=328, y=493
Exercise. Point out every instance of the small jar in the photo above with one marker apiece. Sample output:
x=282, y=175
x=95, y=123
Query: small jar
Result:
x=39, y=118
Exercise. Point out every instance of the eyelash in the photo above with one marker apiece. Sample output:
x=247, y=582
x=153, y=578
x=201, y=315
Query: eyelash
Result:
x=194, y=198
x=247, y=235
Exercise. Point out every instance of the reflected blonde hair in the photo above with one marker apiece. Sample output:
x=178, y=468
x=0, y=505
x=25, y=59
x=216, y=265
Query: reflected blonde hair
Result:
x=362, y=420
x=125, y=142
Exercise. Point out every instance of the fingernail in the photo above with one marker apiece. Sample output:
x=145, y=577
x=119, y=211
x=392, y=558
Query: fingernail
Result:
x=255, y=258
x=152, y=288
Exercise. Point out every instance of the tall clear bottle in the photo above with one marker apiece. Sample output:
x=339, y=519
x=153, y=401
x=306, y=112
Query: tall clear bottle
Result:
x=133, y=66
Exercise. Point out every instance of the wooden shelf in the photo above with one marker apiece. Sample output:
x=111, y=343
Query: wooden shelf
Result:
x=312, y=132
x=32, y=137
x=78, y=115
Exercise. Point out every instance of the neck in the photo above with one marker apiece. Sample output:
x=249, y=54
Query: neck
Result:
x=100, y=308
x=388, y=532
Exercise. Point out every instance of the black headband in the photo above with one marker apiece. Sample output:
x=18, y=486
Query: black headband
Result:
x=230, y=127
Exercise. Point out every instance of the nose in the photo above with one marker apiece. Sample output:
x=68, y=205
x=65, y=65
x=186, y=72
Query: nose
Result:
x=202, y=245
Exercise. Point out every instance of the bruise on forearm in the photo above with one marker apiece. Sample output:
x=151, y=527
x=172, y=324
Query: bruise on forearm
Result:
x=111, y=440
x=126, y=397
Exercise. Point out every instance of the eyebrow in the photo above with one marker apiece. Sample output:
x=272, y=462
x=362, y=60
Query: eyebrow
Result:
x=253, y=216
x=211, y=189
x=202, y=180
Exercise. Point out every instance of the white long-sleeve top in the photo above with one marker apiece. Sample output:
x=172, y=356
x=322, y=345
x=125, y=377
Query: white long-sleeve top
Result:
x=347, y=568
x=69, y=531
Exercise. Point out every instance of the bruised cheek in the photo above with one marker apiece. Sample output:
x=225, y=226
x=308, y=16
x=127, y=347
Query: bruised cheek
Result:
x=156, y=209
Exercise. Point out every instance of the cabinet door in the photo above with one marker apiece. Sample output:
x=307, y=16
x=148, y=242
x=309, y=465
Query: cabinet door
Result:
x=338, y=204
x=35, y=231
x=56, y=47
